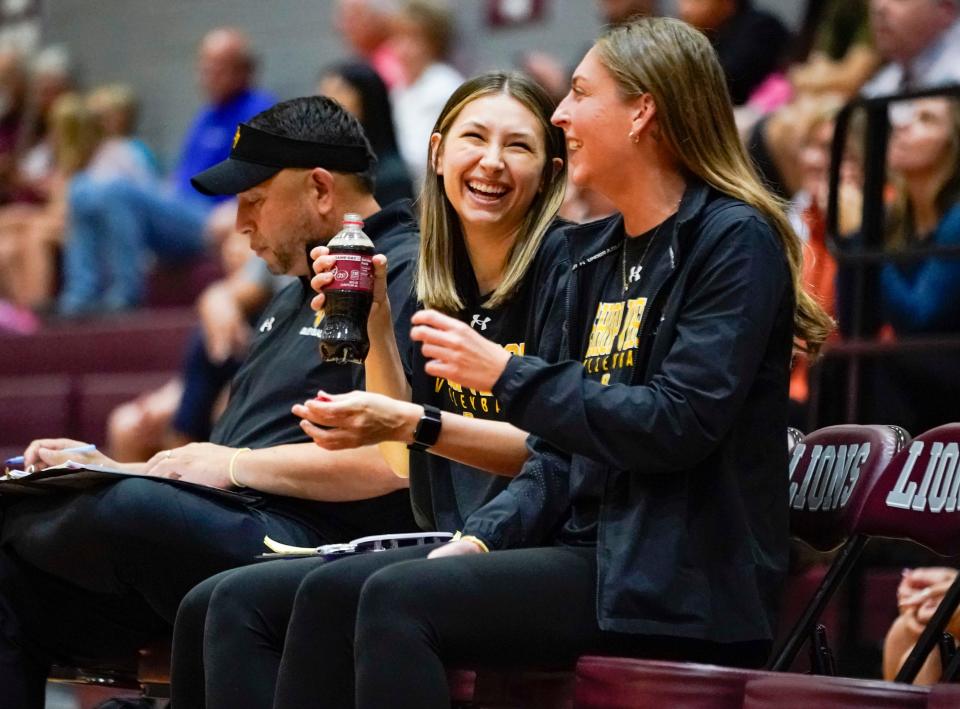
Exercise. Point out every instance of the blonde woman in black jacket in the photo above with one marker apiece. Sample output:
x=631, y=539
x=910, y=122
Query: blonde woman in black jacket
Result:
x=660, y=463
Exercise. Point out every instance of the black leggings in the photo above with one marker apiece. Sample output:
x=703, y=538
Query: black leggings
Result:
x=389, y=623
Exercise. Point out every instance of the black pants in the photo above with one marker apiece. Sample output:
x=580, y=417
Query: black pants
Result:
x=90, y=577
x=388, y=623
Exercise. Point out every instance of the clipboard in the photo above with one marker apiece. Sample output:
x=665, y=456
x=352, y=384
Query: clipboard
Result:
x=73, y=477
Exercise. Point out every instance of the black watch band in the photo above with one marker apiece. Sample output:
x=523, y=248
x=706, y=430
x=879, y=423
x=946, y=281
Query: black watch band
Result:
x=428, y=429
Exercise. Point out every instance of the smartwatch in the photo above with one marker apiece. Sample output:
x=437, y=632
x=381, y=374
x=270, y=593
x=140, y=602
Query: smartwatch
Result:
x=428, y=429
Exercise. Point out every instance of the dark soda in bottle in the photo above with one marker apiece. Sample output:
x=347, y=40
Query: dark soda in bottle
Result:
x=343, y=330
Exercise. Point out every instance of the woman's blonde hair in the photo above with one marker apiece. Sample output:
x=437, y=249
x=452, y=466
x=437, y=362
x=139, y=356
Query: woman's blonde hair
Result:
x=74, y=131
x=440, y=224
x=119, y=98
x=678, y=67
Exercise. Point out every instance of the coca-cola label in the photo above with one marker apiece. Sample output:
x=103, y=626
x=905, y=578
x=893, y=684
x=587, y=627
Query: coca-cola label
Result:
x=353, y=272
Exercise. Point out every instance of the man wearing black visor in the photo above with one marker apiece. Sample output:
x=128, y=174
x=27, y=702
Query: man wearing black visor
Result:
x=94, y=575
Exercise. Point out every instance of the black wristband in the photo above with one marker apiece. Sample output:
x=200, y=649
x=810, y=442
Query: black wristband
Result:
x=428, y=429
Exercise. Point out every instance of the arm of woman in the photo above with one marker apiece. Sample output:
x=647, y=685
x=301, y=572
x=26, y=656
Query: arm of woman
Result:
x=924, y=302
x=677, y=418
x=365, y=418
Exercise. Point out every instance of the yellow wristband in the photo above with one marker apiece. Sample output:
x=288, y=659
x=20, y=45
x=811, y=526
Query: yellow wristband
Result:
x=231, y=473
x=479, y=543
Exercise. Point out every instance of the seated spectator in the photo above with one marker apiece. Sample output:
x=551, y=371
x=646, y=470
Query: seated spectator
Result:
x=95, y=574
x=185, y=408
x=422, y=35
x=31, y=236
x=749, y=42
x=921, y=41
x=97, y=262
x=359, y=89
x=169, y=223
x=918, y=596
x=922, y=296
x=118, y=110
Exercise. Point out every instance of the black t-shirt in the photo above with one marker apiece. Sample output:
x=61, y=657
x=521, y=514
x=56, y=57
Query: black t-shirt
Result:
x=283, y=367
x=445, y=492
x=616, y=344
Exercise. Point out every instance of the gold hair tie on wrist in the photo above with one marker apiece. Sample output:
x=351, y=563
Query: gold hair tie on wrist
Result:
x=476, y=541
x=230, y=469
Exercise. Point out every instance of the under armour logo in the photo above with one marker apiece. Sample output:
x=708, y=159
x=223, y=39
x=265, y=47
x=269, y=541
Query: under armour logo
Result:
x=477, y=320
x=635, y=274
x=267, y=324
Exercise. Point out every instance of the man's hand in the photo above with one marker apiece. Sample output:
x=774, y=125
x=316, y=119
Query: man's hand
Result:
x=917, y=585
x=201, y=463
x=457, y=548
x=456, y=352
x=356, y=419
x=46, y=452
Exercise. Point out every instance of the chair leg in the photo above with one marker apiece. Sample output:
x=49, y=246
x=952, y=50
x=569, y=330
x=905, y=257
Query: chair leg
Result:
x=948, y=648
x=821, y=657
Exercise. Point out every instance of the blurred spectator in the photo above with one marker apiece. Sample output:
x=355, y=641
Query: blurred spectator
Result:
x=97, y=256
x=423, y=32
x=750, y=43
x=918, y=390
x=132, y=218
x=921, y=41
x=13, y=88
x=185, y=408
x=842, y=56
x=359, y=89
x=117, y=109
x=30, y=235
x=807, y=214
x=366, y=25
x=49, y=78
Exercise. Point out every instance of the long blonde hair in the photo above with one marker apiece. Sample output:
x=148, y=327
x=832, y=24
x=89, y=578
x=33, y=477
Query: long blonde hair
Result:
x=677, y=65
x=440, y=224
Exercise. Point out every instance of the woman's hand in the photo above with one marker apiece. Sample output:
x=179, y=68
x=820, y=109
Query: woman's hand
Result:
x=323, y=265
x=359, y=418
x=457, y=353
x=457, y=548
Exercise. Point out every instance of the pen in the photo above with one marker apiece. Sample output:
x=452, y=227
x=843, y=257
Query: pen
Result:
x=19, y=459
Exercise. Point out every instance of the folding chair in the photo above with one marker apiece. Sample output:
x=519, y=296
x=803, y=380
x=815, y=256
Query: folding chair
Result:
x=830, y=473
x=916, y=499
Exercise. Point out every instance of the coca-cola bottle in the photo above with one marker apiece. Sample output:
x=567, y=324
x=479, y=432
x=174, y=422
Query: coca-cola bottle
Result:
x=343, y=331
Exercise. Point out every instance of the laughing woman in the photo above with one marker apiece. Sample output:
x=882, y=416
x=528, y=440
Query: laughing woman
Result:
x=492, y=255
x=670, y=518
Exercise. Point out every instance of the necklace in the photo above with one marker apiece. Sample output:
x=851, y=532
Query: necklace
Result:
x=637, y=271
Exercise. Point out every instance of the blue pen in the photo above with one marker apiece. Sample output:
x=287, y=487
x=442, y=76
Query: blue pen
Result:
x=19, y=459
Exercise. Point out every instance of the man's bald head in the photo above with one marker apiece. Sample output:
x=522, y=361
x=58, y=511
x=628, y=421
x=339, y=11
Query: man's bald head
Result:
x=902, y=29
x=225, y=64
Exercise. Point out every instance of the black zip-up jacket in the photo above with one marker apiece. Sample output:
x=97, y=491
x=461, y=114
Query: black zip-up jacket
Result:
x=691, y=458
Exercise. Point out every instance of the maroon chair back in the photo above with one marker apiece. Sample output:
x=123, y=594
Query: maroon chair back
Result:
x=790, y=690
x=916, y=495
x=624, y=683
x=830, y=472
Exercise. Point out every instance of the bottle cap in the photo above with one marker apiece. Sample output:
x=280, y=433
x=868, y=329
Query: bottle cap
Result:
x=352, y=219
